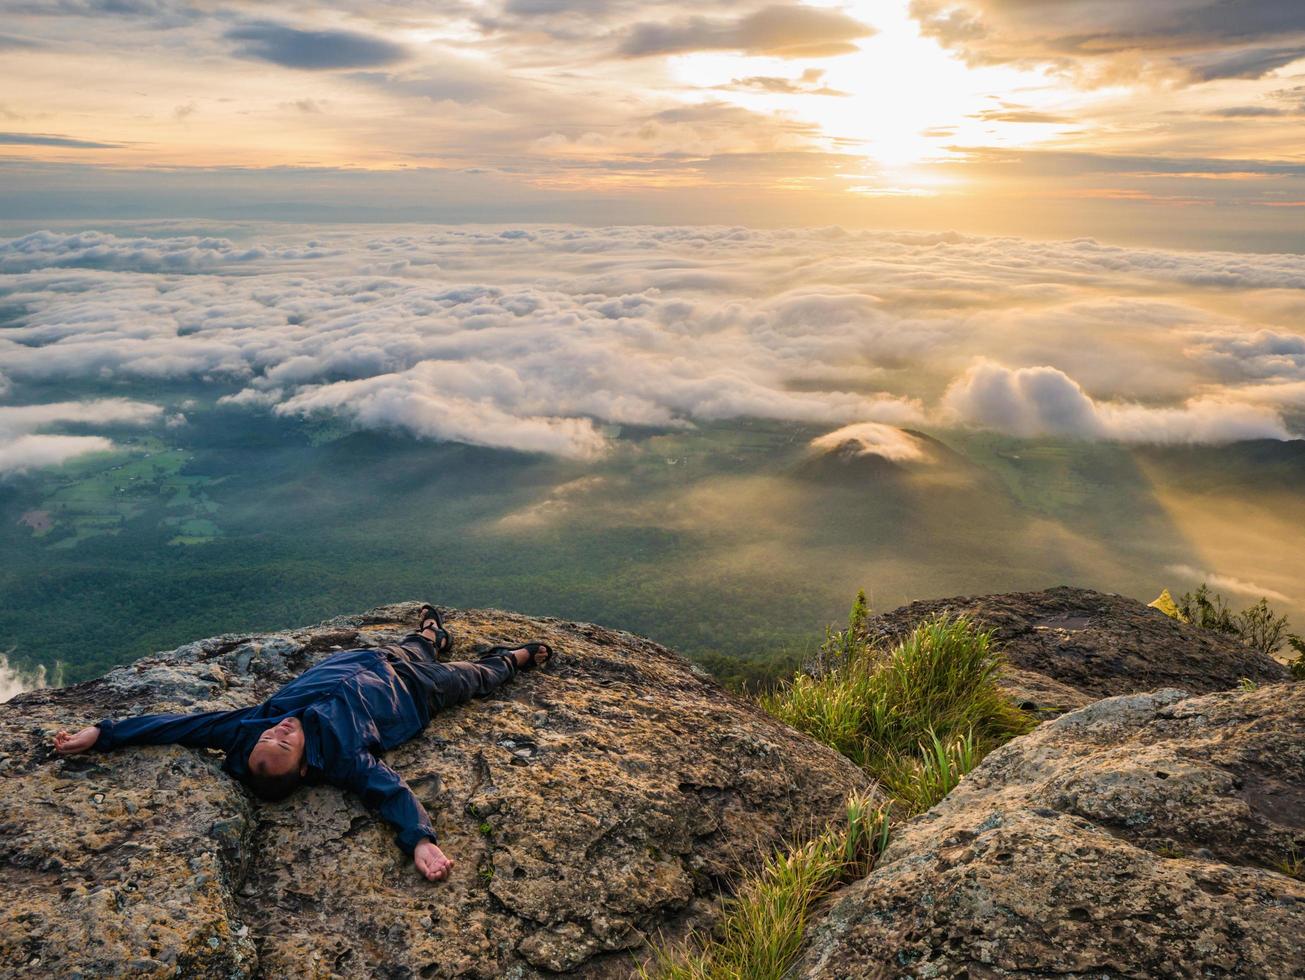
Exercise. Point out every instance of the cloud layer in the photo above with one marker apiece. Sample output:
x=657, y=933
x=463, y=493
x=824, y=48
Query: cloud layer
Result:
x=537, y=338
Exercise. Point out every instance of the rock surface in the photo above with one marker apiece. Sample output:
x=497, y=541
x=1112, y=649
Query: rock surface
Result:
x=1142, y=836
x=586, y=806
x=1066, y=647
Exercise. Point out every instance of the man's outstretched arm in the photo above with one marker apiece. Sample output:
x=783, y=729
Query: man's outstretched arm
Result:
x=202, y=729
x=384, y=790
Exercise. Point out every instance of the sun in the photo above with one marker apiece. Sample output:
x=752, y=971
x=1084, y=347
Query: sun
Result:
x=905, y=102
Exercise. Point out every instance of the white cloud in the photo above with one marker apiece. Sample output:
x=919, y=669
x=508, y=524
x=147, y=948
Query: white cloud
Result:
x=1229, y=583
x=1044, y=401
x=14, y=682
x=263, y=397
x=22, y=448
x=28, y=418
x=416, y=401
x=33, y=452
x=532, y=338
x=872, y=439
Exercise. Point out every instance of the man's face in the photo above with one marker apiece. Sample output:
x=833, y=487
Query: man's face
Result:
x=280, y=749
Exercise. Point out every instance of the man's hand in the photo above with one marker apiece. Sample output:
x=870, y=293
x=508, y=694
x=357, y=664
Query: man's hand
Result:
x=431, y=862
x=66, y=744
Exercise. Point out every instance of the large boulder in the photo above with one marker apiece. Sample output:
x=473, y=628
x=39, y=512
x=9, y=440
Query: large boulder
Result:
x=1067, y=647
x=588, y=807
x=1146, y=835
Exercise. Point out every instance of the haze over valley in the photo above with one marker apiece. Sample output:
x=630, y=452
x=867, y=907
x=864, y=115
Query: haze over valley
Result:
x=709, y=435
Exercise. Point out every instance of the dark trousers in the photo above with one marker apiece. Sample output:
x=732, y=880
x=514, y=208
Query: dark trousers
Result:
x=444, y=685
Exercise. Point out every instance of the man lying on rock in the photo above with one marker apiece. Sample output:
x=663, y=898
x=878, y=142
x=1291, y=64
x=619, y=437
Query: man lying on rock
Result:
x=328, y=724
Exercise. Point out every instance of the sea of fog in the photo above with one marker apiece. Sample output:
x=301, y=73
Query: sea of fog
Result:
x=710, y=435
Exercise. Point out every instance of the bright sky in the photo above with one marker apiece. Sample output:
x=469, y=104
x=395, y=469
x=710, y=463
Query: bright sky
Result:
x=1174, y=118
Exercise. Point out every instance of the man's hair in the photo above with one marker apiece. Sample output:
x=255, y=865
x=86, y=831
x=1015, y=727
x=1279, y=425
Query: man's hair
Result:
x=274, y=788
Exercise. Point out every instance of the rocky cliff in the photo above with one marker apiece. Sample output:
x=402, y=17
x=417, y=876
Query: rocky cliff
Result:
x=1067, y=647
x=590, y=806
x=1156, y=834
x=1155, y=828
x=1146, y=835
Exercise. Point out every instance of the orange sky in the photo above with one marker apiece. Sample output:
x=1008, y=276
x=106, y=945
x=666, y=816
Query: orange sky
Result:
x=1176, y=119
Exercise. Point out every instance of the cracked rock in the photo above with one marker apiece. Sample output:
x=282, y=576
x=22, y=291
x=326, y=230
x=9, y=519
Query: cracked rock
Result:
x=1145, y=835
x=1067, y=647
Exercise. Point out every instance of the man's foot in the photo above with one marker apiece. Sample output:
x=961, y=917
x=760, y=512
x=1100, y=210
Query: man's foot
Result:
x=431, y=626
x=532, y=655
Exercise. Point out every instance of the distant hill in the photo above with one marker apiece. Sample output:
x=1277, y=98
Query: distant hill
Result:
x=869, y=452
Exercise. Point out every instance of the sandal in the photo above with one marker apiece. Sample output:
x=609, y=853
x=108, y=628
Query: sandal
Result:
x=541, y=654
x=427, y=612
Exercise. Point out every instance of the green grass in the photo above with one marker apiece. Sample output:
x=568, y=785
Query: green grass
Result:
x=760, y=933
x=918, y=718
x=917, y=782
x=101, y=494
x=1293, y=865
x=903, y=714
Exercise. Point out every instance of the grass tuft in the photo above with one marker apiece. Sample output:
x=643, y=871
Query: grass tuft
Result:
x=891, y=713
x=1293, y=865
x=917, y=718
x=760, y=933
x=918, y=782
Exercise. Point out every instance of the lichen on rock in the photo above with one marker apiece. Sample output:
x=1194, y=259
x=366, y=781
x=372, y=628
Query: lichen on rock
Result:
x=1144, y=835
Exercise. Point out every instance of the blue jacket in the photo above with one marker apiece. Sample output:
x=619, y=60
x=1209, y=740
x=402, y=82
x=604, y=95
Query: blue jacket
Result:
x=352, y=705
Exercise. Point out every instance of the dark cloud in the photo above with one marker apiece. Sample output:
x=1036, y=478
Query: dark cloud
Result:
x=1202, y=39
x=808, y=83
x=314, y=50
x=91, y=8
x=780, y=31
x=45, y=139
x=534, y=8
x=11, y=42
x=1249, y=112
x=453, y=79
x=160, y=13
x=1247, y=63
